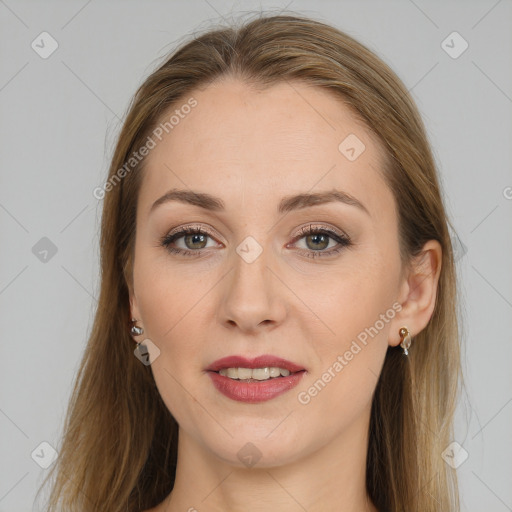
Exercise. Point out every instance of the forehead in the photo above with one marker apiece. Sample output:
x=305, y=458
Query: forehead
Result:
x=289, y=137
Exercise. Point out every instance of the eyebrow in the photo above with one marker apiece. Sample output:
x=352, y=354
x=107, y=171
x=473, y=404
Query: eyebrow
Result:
x=287, y=204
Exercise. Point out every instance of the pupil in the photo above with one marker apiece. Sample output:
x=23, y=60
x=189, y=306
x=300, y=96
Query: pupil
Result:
x=318, y=238
x=196, y=238
x=319, y=241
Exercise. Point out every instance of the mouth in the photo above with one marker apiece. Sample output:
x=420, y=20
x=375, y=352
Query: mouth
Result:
x=254, y=380
x=259, y=368
x=255, y=374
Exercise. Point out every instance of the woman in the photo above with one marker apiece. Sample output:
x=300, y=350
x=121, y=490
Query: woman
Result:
x=277, y=320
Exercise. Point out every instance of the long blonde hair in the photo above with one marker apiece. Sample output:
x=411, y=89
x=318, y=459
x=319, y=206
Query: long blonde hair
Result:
x=119, y=445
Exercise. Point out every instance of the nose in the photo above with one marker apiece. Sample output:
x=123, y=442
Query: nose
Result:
x=253, y=297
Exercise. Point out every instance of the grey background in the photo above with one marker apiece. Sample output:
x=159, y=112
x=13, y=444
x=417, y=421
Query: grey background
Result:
x=59, y=117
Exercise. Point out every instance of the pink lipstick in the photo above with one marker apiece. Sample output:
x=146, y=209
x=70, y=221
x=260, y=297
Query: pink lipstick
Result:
x=254, y=390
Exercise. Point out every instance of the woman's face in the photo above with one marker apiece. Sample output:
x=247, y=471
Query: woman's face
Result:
x=253, y=281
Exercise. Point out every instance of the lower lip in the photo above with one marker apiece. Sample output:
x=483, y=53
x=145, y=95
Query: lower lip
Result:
x=253, y=392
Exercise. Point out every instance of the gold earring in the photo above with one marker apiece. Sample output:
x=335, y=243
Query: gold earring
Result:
x=405, y=337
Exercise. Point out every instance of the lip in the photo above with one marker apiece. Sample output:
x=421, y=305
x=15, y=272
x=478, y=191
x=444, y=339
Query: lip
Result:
x=263, y=361
x=254, y=391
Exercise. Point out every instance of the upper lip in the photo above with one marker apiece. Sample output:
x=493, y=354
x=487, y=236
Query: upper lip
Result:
x=263, y=361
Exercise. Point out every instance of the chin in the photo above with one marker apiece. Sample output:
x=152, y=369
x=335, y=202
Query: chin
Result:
x=258, y=456
x=254, y=448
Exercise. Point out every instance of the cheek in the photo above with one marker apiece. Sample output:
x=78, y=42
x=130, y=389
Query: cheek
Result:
x=350, y=302
x=172, y=307
x=356, y=306
x=341, y=387
x=170, y=304
x=167, y=295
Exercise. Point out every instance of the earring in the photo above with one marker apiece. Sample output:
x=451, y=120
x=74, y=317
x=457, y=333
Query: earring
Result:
x=135, y=329
x=405, y=337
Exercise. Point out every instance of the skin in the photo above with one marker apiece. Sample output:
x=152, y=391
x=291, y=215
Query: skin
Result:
x=251, y=148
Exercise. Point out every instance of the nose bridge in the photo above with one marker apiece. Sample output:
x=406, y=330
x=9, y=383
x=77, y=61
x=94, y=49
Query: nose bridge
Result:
x=250, y=263
x=250, y=296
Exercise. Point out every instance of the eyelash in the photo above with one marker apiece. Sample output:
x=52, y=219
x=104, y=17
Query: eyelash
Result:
x=343, y=241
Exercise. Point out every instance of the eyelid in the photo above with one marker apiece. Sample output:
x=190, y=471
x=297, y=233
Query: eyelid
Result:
x=192, y=227
x=312, y=226
x=303, y=230
x=342, y=239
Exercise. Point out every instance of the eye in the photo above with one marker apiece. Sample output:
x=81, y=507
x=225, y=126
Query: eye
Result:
x=188, y=241
x=318, y=238
x=193, y=240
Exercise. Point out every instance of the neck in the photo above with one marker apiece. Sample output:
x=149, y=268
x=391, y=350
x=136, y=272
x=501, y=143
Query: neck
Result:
x=330, y=478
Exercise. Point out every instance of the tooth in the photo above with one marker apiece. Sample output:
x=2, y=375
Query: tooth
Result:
x=233, y=373
x=261, y=373
x=254, y=373
x=243, y=373
x=274, y=372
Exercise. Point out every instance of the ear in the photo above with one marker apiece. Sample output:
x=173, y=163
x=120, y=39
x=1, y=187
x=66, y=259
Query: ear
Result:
x=418, y=292
x=134, y=308
x=128, y=276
